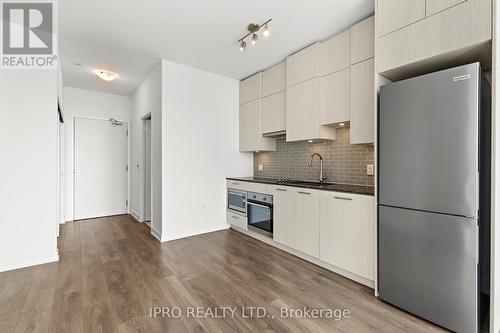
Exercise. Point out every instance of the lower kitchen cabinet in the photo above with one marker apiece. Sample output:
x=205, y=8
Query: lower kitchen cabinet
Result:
x=283, y=219
x=306, y=224
x=347, y=227
x=236, y=220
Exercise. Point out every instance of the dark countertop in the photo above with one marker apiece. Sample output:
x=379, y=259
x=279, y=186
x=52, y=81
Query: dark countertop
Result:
x=335, y=187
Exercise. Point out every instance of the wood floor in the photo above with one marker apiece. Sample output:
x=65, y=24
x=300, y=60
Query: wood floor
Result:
x=111, y=272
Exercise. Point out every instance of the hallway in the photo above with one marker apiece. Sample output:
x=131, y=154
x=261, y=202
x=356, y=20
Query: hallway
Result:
x=112, y=271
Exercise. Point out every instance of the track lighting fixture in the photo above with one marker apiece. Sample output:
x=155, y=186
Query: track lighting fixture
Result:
x=253, y=29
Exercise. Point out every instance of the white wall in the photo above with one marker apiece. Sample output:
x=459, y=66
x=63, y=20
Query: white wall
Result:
x=199, y=149
x=87, y=104
x=147, y=99
x=29, y=170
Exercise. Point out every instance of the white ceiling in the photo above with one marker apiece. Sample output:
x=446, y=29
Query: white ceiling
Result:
x=129, y=37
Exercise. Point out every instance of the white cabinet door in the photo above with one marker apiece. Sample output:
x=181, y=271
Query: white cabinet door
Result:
x=434, y=6
x=250, y=134
x=273, y=113
x=335, y=96
x=303, y=65
x=347, y=227
x=251, y=138
x=237, y=220
x=250, y=88
x=335, y=53
x=362, y=112
x=306, y=224
x=273, y=79
x=395, y=14
x=363, y=40
x=302, y=110
x=283, y=221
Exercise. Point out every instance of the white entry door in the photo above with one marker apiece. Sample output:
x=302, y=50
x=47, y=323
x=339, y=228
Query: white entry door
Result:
x=100, y=168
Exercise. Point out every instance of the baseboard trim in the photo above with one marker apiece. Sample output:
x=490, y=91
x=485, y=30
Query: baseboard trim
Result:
x=315, y=261
x=186, y=235
x=8, y=265
x=136, y=216
x=156, y=234
x=62, y=221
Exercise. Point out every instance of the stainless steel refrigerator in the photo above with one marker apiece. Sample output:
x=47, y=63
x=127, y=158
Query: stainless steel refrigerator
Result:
x=434, y=185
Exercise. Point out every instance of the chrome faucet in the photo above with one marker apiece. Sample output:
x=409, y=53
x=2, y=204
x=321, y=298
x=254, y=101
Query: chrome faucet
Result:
x=321, y=174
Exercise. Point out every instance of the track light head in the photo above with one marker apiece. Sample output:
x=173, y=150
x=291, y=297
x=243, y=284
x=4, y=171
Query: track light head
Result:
x=243, y=46
x=254, y=39
x=266, y=31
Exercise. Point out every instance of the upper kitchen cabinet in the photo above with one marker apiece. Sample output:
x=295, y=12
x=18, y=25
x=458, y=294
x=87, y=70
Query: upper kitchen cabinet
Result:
x=459, y=33
x=335, y=53
x=250, y=88
x=273, y=114
x=303, y=65
x=335, y=97
x=362, y=102
x=273, y=79
x=363, y=40
x=273, y=100
x=395, y=14
x=251, y=138
x=303, y=112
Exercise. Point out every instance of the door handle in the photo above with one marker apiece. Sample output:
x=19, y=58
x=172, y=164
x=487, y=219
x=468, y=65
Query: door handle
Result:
x=281, y=189
x=258, y=205
x=307, y=193
x=343, y=198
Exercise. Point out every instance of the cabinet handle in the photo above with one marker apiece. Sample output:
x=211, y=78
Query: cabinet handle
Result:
x=308, y=193
x=235, y=217
x=281, y=189
x=343, y=198
x=233, y=183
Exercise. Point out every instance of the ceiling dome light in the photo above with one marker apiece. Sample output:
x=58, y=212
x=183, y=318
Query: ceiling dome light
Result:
x=254, y=39
x=105, y=75
x=243, y=45
x=266, y=31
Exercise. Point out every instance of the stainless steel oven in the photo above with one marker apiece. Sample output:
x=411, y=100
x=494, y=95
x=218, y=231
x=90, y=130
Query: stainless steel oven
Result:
x=237, y=201
x=260, y=213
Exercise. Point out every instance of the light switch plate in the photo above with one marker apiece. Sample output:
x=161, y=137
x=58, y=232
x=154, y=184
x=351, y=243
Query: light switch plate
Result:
x=369, y=169
x=261, y=167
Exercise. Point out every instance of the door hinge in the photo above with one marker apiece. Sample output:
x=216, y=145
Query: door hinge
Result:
x=126, y=203
x=126, y=132
x=126, y=168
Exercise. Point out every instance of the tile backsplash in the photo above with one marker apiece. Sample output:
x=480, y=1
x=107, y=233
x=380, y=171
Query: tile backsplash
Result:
x=342, y=162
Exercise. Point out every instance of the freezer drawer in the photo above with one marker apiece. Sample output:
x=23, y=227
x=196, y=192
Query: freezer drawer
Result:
x=428, y=266
x=428, y=145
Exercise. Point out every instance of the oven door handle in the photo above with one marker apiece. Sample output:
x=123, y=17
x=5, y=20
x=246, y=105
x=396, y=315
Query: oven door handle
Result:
x=258, y=205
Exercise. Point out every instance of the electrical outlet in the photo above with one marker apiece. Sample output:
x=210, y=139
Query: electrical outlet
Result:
x=261, y=167
x=369, y=169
